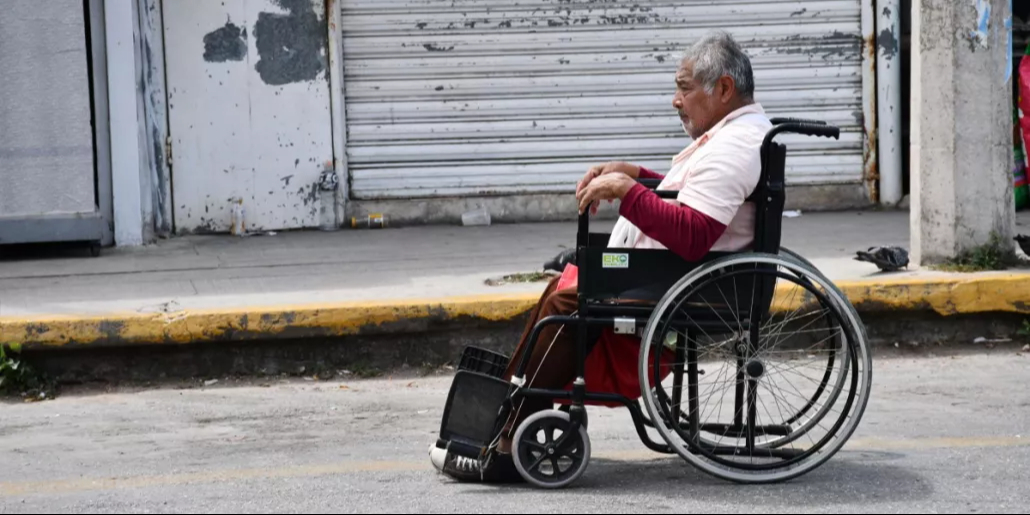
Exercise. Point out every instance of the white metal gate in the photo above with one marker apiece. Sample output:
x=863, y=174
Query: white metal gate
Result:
x=55, y=182
x=470, y=97
x=249, y=111
x=46, y=144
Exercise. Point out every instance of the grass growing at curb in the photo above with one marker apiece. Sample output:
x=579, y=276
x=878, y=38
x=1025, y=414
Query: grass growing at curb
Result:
x=994, y=255
x=531, y=277
x=18, y=378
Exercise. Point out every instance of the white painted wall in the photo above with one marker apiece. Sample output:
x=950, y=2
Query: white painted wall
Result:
x=249, y=114
x=122, y=99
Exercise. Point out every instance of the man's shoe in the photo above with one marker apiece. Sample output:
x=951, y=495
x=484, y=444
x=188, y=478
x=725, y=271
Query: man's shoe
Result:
x=500, y=469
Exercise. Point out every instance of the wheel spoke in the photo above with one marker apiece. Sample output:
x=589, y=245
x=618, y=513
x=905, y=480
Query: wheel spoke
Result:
x=538, y=462
x=534, y=446
x=777, y=430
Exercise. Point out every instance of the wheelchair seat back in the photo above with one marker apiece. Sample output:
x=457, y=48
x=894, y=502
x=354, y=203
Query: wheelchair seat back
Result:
x=769, y=199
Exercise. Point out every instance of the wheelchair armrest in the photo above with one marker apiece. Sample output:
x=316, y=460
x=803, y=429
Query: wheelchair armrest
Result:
x=654, y=183
x=583, y=236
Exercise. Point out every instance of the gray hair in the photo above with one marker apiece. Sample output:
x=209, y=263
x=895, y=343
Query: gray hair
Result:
x=717, y=55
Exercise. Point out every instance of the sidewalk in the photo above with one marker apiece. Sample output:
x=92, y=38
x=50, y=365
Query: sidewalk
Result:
x=346, y=282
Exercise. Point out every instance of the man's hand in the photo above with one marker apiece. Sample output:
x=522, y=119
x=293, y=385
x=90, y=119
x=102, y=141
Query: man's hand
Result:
x=606, y=187
x=630, y=170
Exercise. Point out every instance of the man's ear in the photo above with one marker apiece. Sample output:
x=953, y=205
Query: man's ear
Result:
x=727, y=89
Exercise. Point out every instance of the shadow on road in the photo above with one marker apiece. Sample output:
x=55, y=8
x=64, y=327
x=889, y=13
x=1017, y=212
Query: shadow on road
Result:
x=851, y=477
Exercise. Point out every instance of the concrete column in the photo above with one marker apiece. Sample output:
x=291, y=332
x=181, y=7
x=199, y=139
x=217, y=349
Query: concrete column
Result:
x=961, y=127
x=125, y=154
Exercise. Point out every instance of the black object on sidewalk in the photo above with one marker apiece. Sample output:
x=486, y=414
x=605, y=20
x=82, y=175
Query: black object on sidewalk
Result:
x=558, y=263
x=889, y=259
x=1024, y=243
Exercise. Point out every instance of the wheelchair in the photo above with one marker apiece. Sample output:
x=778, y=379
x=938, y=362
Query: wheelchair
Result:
x=753, y=366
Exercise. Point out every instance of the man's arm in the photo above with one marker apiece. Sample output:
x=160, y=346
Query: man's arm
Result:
x=681, y=229
x=718, y=186
x=649, y=174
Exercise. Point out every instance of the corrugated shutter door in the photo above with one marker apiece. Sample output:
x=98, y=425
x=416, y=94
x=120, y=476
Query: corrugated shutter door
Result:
x=478, y=97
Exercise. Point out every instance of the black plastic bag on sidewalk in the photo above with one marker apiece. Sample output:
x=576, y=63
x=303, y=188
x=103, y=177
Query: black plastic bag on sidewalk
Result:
x=558, y=262
x=1024, y=243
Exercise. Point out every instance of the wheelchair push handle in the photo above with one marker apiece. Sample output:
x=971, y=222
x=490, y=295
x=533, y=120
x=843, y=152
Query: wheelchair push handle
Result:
x=807, y=129
x=654, y=184
x=823, y=131
x=781, y=121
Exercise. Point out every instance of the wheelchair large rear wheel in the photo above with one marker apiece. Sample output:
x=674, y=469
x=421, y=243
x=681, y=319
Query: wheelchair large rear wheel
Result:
x=771, y=374
x=830, y=358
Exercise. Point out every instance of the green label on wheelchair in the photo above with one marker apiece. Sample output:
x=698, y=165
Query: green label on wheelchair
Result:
x=615, y=261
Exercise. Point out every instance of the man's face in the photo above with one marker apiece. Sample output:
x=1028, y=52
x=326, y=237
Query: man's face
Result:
x=697, y=109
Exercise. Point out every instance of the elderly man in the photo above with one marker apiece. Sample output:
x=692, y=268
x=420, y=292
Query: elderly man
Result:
x=714, y=176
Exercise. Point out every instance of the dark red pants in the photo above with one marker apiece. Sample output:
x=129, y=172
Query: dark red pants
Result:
x=552, y=365
x=610, y=366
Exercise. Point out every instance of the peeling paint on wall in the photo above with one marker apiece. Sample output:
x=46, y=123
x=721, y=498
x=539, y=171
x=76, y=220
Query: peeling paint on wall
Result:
x=887, y=42
x=251, y=118
x=1008, y=46
x=979, y=35
x=155, y=130
x=292, y=47
x=435, y=48
x=228, y=43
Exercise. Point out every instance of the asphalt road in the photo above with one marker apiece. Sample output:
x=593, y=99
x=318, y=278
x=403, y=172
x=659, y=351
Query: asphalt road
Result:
x=942, y=434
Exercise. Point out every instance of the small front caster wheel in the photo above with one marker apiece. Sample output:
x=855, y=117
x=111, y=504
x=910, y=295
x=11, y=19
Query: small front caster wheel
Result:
x=546, y=454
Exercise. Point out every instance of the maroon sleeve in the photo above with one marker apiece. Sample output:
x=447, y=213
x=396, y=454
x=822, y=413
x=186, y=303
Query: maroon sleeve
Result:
x=648, y=174
x=682, y=229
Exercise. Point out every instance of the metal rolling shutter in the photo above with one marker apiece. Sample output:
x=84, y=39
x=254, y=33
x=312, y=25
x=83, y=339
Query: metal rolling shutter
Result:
x=480, y=97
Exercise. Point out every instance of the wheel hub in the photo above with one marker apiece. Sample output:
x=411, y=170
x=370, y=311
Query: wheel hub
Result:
x=755, y=369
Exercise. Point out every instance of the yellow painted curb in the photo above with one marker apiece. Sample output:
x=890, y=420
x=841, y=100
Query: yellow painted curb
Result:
x=944, y=295
x=255, y=323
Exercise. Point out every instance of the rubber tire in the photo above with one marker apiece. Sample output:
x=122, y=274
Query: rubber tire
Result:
x=847, y=311
x=521, y=467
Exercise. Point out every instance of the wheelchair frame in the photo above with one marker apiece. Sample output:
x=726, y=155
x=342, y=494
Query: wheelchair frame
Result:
x=657, y=272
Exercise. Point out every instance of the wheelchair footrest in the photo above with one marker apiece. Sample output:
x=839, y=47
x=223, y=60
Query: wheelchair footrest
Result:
x=474, y=414
x=474, y=359
x=462, y=449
